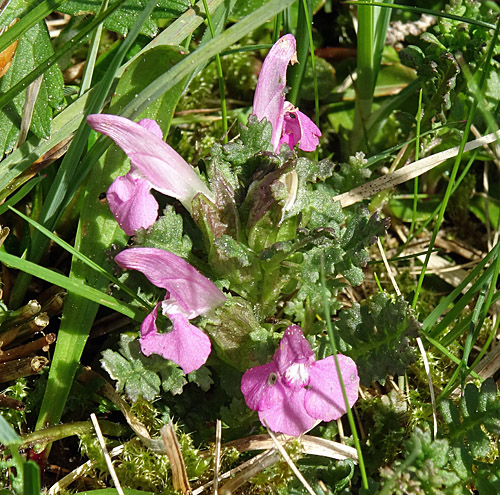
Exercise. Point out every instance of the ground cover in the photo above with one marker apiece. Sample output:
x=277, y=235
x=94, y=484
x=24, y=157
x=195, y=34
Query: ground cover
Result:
x=249, y=247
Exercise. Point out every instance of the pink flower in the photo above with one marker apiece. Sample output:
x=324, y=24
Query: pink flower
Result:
x=154, y=165
x=189, y=294
x=294, y=391
x=289, y=124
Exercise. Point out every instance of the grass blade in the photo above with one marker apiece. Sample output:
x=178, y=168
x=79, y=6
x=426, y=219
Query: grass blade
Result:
x=296, y=71
x=484, y=71
x=84, y=259
x=63, y=187
x=96, y=231
x=420, y=10
x=71, y=285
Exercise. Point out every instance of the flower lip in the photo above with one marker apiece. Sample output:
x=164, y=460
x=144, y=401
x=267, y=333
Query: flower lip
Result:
x=190, y=290
x=297, y=375
x=293, y=392
x=131, y=203
x=294, y=348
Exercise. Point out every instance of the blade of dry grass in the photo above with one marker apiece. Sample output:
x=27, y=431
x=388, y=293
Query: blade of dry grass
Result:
x=409, y=172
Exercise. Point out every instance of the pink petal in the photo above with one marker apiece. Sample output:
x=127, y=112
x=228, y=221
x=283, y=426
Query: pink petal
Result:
x=131, y=203
x=269, y=96
x=291, y=131
x=287, y=414
x=299, y=128
x=151, y=126
x=192, y=291
x=324, y=399
x=186, y=345
x=160, y=164
x=254, y=385
x=293, y=349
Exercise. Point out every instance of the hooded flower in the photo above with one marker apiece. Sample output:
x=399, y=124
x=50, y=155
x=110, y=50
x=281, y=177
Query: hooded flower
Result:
x=294, y=391
x=154, y=165
x=189, y=294
x=290, y=126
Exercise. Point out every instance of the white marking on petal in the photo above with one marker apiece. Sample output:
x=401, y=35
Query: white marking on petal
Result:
x=297, y=374
x=171, y=306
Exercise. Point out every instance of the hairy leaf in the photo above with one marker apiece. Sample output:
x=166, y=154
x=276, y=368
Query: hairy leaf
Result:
x=351, y=175
x=238, y=338
x=137, y=374
x=202, y=377
x=475, y=418
x=378, y=334
x=131, y=373
x=166, y=233
x=425, y=470
x=362, y=230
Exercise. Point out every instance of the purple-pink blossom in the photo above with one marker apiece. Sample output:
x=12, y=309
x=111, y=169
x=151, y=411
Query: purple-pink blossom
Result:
x=154, y=165
x=290, y=126
x=189, y=294
x=294, y=391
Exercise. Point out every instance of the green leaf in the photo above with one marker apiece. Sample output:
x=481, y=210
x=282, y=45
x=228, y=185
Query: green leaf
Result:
x=33, y=47
x=362, y=230
x=351, y=174
x=144, y=71
x=28, y=18
x=325, y=75
x=425, y=468
x=139, y=375
x=167, y=234
x=478, y=414
x=487, y=482
x=202, y=377
x=123, y=19
x=31, y=478
x=129, y=368
x=323, y=212
x=245, y=7
x=255, y=138
x=308, y=172
x=378, y=335
x=238, y=338
x=172, y=377
x=402, y=208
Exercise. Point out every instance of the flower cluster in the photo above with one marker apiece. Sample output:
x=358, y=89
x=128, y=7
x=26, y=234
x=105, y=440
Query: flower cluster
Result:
x=294, y=391
x=156, y=165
